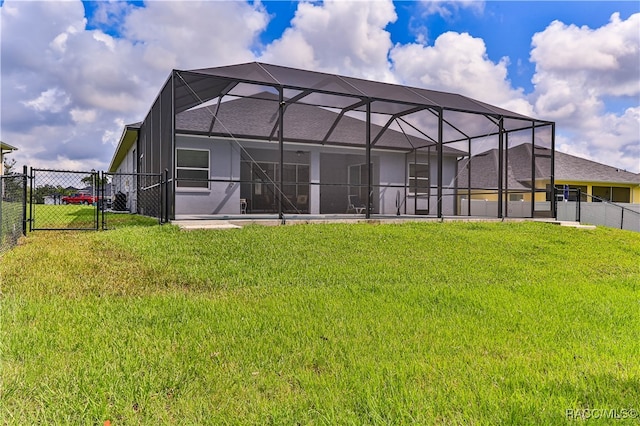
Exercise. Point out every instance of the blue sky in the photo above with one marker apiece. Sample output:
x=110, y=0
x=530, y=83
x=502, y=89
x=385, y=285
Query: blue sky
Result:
x=94, y=66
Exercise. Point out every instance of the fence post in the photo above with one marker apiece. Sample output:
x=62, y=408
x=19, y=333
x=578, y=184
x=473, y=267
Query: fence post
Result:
x=24, y=200
x=621, y=218
x=95, y=192
x=31, y=200
x=578, y=201
x=166, y=196
x=101, y=198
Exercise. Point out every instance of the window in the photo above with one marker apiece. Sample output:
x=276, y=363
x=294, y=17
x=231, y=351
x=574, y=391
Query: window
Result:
x=573, y=192
x=419, y=178
x=620, y=195
x=614, y=194
x=192, y=168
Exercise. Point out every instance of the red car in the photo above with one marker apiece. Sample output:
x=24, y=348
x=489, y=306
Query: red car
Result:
x=79, y=199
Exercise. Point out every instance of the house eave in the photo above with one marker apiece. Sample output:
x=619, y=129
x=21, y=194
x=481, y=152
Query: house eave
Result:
x=127, y=139
x=560, y=180
x=5, y=148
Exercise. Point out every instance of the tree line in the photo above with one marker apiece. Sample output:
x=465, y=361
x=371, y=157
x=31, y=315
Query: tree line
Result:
x=13, y=188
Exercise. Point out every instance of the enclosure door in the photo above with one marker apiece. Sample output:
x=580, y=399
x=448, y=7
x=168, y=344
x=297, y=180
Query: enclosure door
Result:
x=265, y=178
x=358, y=179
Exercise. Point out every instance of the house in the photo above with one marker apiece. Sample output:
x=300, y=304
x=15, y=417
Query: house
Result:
x=262, y=139
x=5, y=148
x=596, y=181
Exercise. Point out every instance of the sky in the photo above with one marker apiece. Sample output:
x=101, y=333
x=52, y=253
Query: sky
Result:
x=73, y=73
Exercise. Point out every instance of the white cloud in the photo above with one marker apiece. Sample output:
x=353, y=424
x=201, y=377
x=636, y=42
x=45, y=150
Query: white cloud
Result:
x=106, y=39
x=110, y=14
x=610, y=139
x=83, y=116
x=578, y=70
x=458, y=63
x=51, y=100
x=345, y=37
x=197, y=34
x=447, y=9
x=63, y=85
x=605, y=59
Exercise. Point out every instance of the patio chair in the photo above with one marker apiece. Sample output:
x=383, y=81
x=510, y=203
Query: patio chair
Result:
x=356, y=205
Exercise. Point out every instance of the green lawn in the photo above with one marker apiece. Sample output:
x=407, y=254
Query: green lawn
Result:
x=10, y=223
x=81, y=217
x=425, y=323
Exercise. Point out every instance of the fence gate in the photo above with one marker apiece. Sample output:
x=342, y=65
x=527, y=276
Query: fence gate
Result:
x=64, y=199
x=139, y=194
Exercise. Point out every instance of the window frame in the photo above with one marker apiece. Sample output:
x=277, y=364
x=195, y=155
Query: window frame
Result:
x=412, y=188
x=357, y=180
x=258, y=186
x=188, y=185
x=613, y=193
x=573, y=195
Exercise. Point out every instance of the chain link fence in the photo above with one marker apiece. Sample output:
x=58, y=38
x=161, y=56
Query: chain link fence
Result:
x=90, y=200
x=64, y=199
x=132, y=198
x=13, y=204
x=42, y=199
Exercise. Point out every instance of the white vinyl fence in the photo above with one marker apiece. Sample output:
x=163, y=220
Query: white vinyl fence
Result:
x=619, y=215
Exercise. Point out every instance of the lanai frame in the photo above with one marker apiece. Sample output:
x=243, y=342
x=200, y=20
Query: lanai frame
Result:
x=459, y=121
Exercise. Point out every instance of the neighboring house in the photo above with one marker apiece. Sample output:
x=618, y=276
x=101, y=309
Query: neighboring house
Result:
x=263, y=139
x=596, y=181
x=5, y=148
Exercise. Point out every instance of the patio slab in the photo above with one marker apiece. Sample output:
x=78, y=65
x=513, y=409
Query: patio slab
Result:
x=204, y=224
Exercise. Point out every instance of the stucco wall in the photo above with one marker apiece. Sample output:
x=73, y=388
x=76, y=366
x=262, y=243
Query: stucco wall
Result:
x=224, y=164
x=329, y=167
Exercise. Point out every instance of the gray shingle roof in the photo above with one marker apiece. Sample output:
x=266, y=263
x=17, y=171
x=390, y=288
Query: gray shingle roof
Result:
x=484, y=169
x=276, y=75
x=484, y=172
x=569, y=167
x=256, y=117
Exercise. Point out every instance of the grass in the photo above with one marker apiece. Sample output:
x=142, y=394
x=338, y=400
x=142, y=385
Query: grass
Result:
x=81, y=217
x=455, y=323
x=10, y=224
